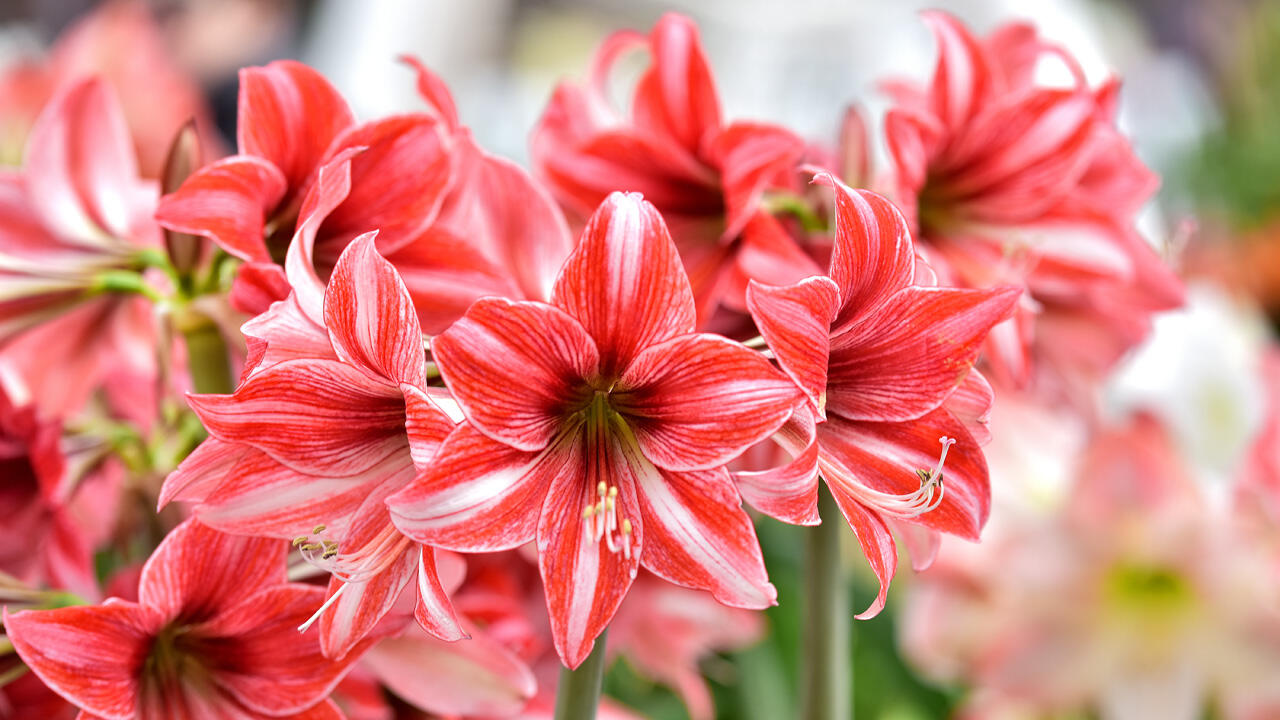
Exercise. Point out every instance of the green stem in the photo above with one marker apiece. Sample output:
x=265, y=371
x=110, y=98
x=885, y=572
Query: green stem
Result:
x=207, y=358
x=579, y=692
x=827, y=672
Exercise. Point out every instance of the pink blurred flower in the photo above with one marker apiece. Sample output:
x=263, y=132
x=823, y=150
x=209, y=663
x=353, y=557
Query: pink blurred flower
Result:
x=75, y=225
x=120, y=43
x=1008, y=181
x=600, y=424
x=213, y=635
x=1140, y=597
x=706, y=176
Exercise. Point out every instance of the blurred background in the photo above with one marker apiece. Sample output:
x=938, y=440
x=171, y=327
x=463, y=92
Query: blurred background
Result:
x=1200, y=98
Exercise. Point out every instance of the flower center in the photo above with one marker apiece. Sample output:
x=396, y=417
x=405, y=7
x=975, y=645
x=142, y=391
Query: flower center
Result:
x=355, y=564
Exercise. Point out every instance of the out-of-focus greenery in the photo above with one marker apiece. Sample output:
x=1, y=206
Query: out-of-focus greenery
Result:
x=760, y=683
x=1235, y=173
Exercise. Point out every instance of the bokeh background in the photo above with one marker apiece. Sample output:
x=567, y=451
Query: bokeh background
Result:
x=1200, y=101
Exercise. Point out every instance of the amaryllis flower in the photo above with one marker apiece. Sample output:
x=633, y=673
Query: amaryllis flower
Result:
x=42, y=541
x=456, y=222
x=119, y=42
x=213, y=634
x=1011, y=181
x=1138, y=596
x=706, y=176
x=330, y=420
x=75, y=225
x=600, y=424
x=879, y=358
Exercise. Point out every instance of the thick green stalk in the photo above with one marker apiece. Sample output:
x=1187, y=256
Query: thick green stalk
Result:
x=827, y=668
x=579, y=692
x=207, y=358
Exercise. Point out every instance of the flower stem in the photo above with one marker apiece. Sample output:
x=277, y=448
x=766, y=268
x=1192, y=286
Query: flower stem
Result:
x=579, y=692
x=827, y=670
x=207, y=358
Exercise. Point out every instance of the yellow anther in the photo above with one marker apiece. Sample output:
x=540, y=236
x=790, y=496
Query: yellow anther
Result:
x=610, y=504
x=317, y=530
x=330, y=553
x=601, y=488
x=626, y=526
x=588, y=511
x=299, y=540
x=613, y=491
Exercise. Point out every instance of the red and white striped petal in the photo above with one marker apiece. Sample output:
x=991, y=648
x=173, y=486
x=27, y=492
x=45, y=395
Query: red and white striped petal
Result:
x=962, y=78
x=434, y=610
x=913, y=354
x=698, y=401
x=584, y=579
x=426, y=424
x=88, y=655
x=475, y=678
x=796, y=323
x=676, y=97
x=289, y=114
x=751, y=156
x=699, y=536
x=516, y=368
x=229, y=202
x=788, y=492
x=315, y=416
x=872, y=257
x=197, y=572
x=479, y=495
x=625, y=282
x=877, y=545
x=201, y=472
x=371, y=319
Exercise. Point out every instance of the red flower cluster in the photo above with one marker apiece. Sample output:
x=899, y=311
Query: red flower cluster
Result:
x=437, y=370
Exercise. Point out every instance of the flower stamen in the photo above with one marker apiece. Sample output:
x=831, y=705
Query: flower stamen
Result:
x=602, y=522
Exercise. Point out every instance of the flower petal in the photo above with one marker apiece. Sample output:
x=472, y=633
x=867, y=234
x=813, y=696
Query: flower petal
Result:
x=289, y=114
x=332, y=186
x=699, y=536
x=434, y=610
x=89, y=655
x=698, y=401
x=426, y=424
x=197, y=572
x=479, y=495
x=877, y=546
x=872, y=257
x=316, y=416
x=200, y=473
x=80, y=167
x=788, y=492
x=796, y=323
x=909, y=358
x=751, y=157
x=677, y=96
x=583, y=579
x=885, y=457
x=477, y=677
x=229, y=202
x=515, y=368
x=398, y=180
x=625, y=283
x=371, y=318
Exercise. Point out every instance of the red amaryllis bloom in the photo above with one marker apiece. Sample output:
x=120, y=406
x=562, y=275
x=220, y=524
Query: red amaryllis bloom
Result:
x=213, y=634
x=600, y=425
x=75, y=224
x=330, y=421
x=1011, y=181
x=707, y=177
x=878, y=357
x=456, y=222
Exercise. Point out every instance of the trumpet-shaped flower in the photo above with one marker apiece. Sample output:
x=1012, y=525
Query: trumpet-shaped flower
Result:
x=880, y=358
x=1010, y=181
x=74, y=225
x=213, y=634
x=330, y=420
x=600, y=425
x=706, y=176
